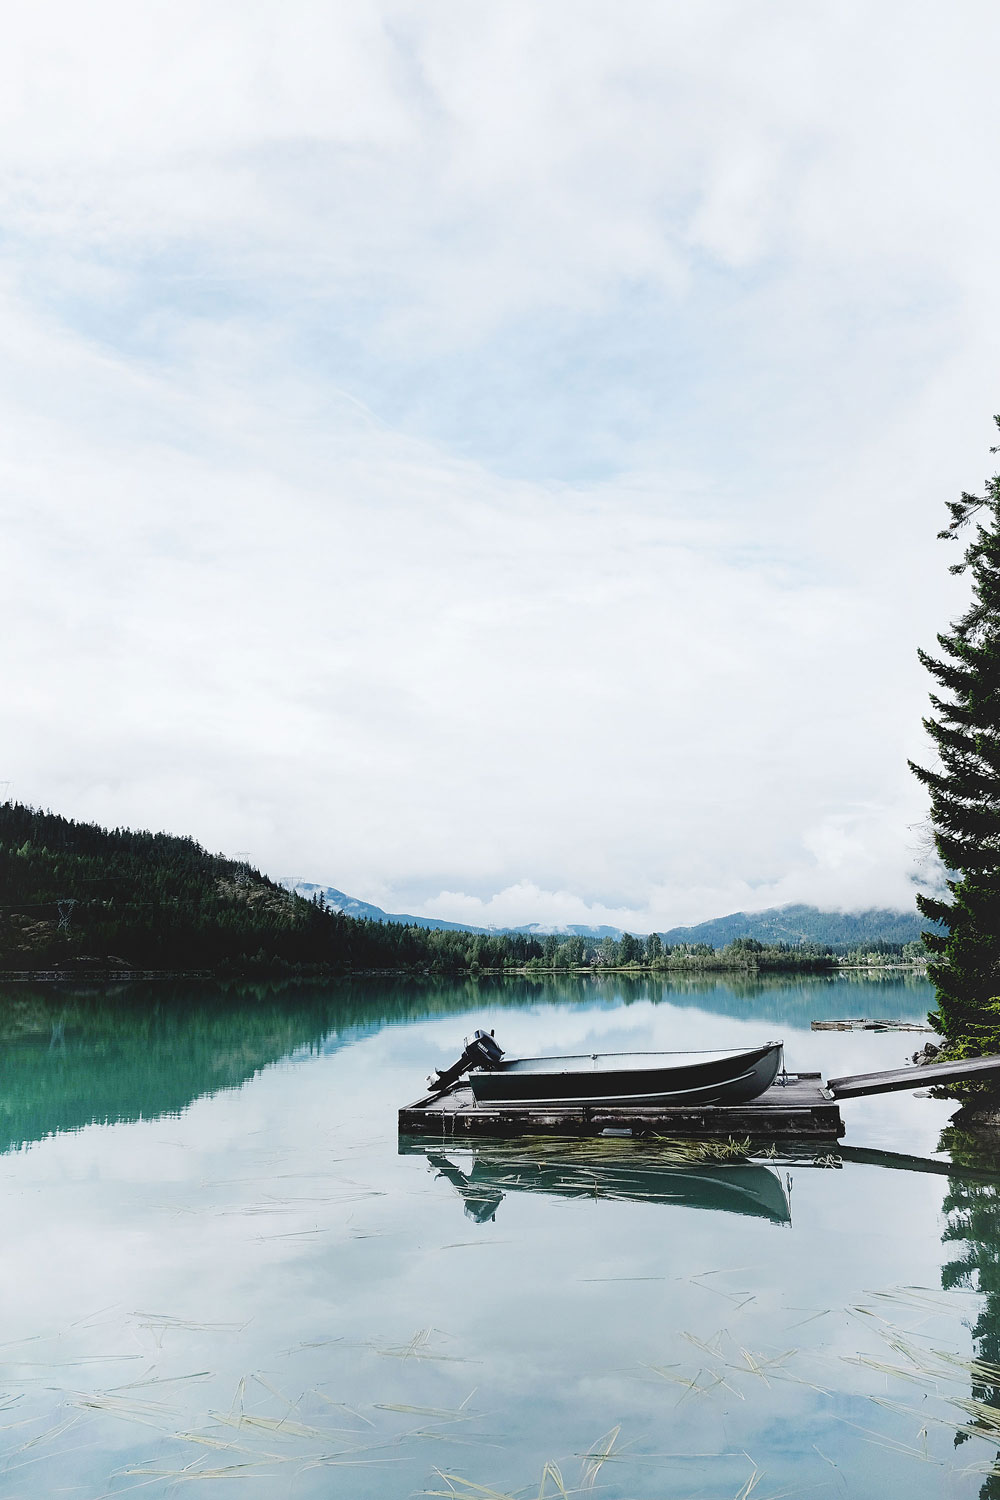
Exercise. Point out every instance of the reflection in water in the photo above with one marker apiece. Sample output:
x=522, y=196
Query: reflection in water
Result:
x=71, y=1059
x=976, y=1170
x=485, y=1174
x=267, y=1290
x=72, y=1056
x=972, y=1210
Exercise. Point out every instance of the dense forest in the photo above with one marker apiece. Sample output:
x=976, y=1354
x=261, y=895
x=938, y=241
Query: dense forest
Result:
x=73, y=895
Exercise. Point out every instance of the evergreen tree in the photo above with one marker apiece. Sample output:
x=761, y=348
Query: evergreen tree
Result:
x=629, y=949
x=965, y=790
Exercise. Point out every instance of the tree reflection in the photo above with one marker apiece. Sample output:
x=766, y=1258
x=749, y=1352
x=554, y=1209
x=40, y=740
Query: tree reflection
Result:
x=972, y=1226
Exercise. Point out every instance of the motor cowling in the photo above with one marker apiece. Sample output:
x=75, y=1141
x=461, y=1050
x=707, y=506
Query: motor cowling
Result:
x=482, y=1050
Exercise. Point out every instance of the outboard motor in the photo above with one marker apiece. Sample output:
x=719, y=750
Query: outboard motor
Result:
x=481, y=1051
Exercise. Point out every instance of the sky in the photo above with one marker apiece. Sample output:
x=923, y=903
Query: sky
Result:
x=488, y=458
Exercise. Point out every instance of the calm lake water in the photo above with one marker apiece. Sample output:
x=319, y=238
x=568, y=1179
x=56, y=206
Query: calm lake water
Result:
x=220, y=1269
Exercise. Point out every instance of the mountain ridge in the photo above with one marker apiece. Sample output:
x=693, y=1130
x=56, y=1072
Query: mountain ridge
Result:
x=364, y=910
x=793, y=923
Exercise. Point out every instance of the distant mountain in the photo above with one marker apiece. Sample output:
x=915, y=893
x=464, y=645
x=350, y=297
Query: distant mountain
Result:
x=364, y=911
x=566, y=929
x=806, y=924
x=779, y=924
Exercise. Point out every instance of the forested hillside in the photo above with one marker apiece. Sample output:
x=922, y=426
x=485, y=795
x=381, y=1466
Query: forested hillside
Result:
x=73, y=895
x=76, y=894
x=72, y=889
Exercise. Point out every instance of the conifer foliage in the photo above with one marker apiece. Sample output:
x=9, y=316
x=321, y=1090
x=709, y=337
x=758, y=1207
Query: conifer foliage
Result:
x=965, y=789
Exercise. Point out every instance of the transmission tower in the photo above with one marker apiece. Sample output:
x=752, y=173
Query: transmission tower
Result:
x=65, y=909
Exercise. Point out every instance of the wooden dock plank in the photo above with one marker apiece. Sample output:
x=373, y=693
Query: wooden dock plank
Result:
x=796, y=1109
x=914, y=1077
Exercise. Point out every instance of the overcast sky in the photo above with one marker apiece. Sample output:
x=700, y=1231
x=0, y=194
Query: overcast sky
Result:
x=487, y=457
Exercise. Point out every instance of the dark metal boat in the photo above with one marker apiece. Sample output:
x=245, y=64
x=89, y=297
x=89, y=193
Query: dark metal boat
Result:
x=716, y=1077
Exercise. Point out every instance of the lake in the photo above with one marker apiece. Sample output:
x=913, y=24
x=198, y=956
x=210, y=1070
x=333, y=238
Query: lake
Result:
x=221, y=1268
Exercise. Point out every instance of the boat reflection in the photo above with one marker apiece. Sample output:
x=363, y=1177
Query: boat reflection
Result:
x=484, y=1174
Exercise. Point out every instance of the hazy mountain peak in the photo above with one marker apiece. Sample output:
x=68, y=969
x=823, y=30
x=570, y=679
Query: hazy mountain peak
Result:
x=796, y=923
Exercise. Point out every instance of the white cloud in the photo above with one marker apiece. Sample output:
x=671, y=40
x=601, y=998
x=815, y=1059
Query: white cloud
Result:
x=847, y=862
x=492, y=451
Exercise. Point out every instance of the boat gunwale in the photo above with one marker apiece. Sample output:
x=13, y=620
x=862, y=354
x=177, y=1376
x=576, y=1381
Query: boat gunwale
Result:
x=514, y=1064
x=697, y=1083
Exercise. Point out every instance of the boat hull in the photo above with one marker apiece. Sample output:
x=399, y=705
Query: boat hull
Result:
x=630, y=1078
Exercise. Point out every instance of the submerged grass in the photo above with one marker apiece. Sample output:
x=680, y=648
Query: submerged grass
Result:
x=255, y=1444
x=543, y=1152
x=270, y=1436
x=594, y=1461
x=552, y=1485
x=419, y=1347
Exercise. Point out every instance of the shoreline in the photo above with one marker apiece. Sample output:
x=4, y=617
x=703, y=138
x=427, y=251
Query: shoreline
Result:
x=697, y=966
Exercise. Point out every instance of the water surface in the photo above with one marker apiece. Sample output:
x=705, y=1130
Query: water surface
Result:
x=222, y=1268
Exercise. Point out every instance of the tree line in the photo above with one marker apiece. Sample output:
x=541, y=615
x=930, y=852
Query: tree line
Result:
x=75, y=894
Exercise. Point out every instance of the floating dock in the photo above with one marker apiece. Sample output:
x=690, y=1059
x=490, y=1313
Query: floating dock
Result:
x=797, y=1106
x=794, y=1108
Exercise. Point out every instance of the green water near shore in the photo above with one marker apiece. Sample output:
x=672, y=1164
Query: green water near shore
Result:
x=220, y=1268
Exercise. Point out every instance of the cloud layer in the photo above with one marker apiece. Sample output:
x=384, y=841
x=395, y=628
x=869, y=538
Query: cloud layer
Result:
x=490, y=459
